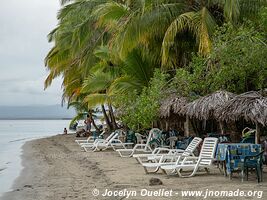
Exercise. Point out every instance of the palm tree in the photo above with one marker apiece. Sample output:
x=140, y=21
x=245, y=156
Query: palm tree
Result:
x=82, y=109
x=106, y=48
x=177, y=27
x=115, y=77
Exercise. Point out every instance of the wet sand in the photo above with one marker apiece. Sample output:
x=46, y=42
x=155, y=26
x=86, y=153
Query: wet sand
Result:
x=55, y=168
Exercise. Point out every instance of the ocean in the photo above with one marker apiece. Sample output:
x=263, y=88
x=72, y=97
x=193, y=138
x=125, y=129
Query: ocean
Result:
x=13, y=134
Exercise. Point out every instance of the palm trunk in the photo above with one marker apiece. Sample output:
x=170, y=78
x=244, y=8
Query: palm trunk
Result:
x=94, y=124
x=93, y=121
x=106, y=118
x=112, y=117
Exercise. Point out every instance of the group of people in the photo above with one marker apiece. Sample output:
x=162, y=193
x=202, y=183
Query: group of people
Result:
x=82, y=132
x=87, y=130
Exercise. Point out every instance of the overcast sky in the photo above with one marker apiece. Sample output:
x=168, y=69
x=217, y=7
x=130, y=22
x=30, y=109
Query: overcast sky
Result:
x=24, y=25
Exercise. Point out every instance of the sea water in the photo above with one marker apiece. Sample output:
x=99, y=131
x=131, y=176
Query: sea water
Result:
x=13, y=134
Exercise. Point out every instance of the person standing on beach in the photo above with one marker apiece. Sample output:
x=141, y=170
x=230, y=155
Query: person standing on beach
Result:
x=88, y=122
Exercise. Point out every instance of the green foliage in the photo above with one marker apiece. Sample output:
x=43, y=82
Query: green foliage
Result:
x=237, y=64
x=139, y=111
x=181, y=82
x=263, y=19
x=107, y=51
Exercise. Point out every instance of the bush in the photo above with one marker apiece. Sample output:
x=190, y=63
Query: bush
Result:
x=139, y=111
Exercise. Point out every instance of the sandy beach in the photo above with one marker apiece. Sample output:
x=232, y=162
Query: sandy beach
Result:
x=55, y=168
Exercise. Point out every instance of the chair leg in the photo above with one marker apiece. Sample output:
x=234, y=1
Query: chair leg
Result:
x=146, y=171
x=258, y=175
x=261, y=174
x=247, y=173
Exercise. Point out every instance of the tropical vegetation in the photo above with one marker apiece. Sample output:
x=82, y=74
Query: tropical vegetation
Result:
x=124, y=56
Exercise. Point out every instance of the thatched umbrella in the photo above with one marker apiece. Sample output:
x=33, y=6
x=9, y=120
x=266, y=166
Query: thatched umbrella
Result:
x=251, y=106
x=204, y=107
x=172, y=104
x=170, y=110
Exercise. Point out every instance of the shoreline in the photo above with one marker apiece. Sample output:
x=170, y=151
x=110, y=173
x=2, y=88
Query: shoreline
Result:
x=60, y=170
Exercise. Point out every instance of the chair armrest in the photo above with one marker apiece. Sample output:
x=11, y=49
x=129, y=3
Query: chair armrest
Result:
x=99, y=140
x=140, y=145
x=116, y=140
x=258, y=158
x=253, y=156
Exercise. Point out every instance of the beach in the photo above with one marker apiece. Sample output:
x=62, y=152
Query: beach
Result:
x=56, y=168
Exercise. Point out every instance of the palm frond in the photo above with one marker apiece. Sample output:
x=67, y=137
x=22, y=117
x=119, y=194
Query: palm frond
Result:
x=110, y=13
x=96, y=99
x=125, y=84
x=232, y=10
x=180, y=24
x=97, y=82
x=204, y=26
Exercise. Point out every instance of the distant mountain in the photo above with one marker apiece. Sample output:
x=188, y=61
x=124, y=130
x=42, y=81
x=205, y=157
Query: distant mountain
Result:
x=36, y=112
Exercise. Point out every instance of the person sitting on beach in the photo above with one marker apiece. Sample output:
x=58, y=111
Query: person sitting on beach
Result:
x=80, y=132
x=65, y=131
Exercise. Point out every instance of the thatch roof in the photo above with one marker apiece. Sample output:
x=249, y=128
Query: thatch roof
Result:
x=204, y=107
x=251, y=106
x=172, y=104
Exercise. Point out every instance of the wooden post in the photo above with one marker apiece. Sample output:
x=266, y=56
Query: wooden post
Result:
x=167, y=125
x=257, y=134
x=186, y=127
x=221, y=127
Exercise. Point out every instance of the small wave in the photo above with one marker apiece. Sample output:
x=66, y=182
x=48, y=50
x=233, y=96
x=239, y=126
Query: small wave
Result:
x=17, y=140
x=2, y=169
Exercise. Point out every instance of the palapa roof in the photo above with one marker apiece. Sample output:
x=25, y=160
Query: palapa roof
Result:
x=172, y=104
x=251, y=106
x=204, y=107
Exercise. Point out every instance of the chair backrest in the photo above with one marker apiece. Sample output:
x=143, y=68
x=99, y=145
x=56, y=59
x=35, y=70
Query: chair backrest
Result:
x=172, y=140
x=150, y=136
x=138, y=138
x=111, y=135
x=192, y=146
x=208, y=151
x=115, y=136
x=102, y=133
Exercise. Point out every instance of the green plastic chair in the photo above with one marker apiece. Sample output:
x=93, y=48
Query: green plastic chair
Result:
x=253, y=162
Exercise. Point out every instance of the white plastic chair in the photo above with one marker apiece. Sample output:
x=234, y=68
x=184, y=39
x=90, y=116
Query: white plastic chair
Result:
x=157, y=152
x=173, y=156
x=138, y=147
x=90, y=139
x=87, y=146
x=193, y=164
x=114, y=142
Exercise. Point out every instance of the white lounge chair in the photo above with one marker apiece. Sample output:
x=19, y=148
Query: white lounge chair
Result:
x=112, y=143
x=193, y=164
x=87, y=146
x=138, y=147
x=90, y=139
x=172, y=157
x=157, y=152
